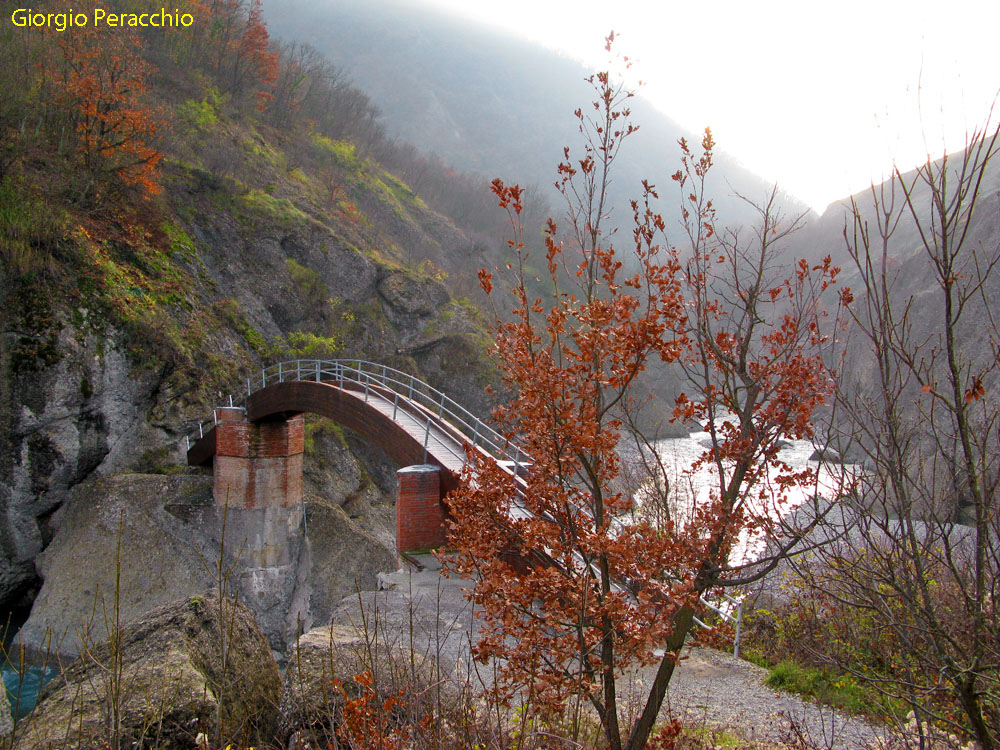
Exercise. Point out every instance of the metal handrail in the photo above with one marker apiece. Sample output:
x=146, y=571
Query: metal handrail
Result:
x=447, y=414
x=364, y=374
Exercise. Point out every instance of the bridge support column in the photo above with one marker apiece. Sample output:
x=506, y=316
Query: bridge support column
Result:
x=258, y=472
x=419, y=513
x=258, y=465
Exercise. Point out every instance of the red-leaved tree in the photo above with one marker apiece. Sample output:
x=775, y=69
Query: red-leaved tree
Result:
x=102, y=85
x=255, y=64
x=573, y=586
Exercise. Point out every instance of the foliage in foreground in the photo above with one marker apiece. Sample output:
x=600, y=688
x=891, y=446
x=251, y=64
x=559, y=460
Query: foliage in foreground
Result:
x=576, y=583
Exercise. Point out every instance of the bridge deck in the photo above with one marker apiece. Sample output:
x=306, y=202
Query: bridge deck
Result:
x=448, y=451
x=409, y=432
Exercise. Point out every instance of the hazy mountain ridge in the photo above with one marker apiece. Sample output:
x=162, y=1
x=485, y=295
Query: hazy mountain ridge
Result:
x=825, y=235
x=908, y=266
x=492, y=104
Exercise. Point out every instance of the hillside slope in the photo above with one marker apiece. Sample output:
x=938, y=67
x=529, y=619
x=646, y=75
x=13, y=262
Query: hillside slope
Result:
x=491, y=104
x=133, y=308
x=909, y=268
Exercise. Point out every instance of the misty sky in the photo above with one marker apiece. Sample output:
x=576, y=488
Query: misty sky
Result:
x=821, y=97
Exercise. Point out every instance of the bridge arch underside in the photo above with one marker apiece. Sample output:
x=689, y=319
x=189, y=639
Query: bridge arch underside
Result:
x=351, y=411
x=282, y=401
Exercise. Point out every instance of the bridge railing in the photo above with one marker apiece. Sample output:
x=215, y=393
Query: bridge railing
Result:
x=440, y=411
x=204, y=426
x=402, y=388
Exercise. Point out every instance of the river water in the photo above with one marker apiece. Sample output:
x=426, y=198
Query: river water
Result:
x=22, y=687
x=23, y=673
x=689, y=489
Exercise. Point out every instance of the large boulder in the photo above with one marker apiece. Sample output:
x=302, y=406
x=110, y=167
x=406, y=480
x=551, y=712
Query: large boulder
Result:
x=411, y=296
x=311, y=700
x=192, y=666
x=164, y=524
x=345, y=556
x=826, y=455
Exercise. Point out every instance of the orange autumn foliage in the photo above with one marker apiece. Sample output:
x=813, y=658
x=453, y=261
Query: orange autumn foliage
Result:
x=370, y=722
x=102, y=83
x=259, y=63
x=241, y=45
x=574, y=583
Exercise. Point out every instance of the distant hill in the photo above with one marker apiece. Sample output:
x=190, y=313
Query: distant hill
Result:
x=824, y=235
x=909, y=267
x=489, y=103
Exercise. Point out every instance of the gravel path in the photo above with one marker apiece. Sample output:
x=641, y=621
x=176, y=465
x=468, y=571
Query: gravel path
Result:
x=722, y=690
x=708, y=686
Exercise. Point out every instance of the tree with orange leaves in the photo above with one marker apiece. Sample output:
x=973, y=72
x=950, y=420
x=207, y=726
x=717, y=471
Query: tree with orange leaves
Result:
x=101, y=84
x=574, y=586
x=255, y=65
x=755, y=329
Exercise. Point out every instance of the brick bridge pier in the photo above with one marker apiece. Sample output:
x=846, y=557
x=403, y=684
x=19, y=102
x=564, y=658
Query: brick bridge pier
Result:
x=258, y=466
x=256, y=450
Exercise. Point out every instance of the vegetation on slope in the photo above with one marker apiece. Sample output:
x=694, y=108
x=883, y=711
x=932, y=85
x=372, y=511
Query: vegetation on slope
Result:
x=109, y=158
x=178, y=207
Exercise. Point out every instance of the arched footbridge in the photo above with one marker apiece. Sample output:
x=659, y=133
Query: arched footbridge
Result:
x=255, y=445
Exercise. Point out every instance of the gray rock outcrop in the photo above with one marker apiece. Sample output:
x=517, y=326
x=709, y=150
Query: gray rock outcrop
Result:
x=192, y=666
x=62, y=423
x=163, y=522
x=291, y=565
x=170, y=547
x=349, y=490
x=344, y=558
x=827, y=455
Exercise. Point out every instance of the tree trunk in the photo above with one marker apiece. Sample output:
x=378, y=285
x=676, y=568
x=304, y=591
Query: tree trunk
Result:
x=683, y=621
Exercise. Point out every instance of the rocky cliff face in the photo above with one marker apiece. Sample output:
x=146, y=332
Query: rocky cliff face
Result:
x=86, y=413
x=138, y=337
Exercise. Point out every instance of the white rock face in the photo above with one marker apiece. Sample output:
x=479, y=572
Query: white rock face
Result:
x=84, y=414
